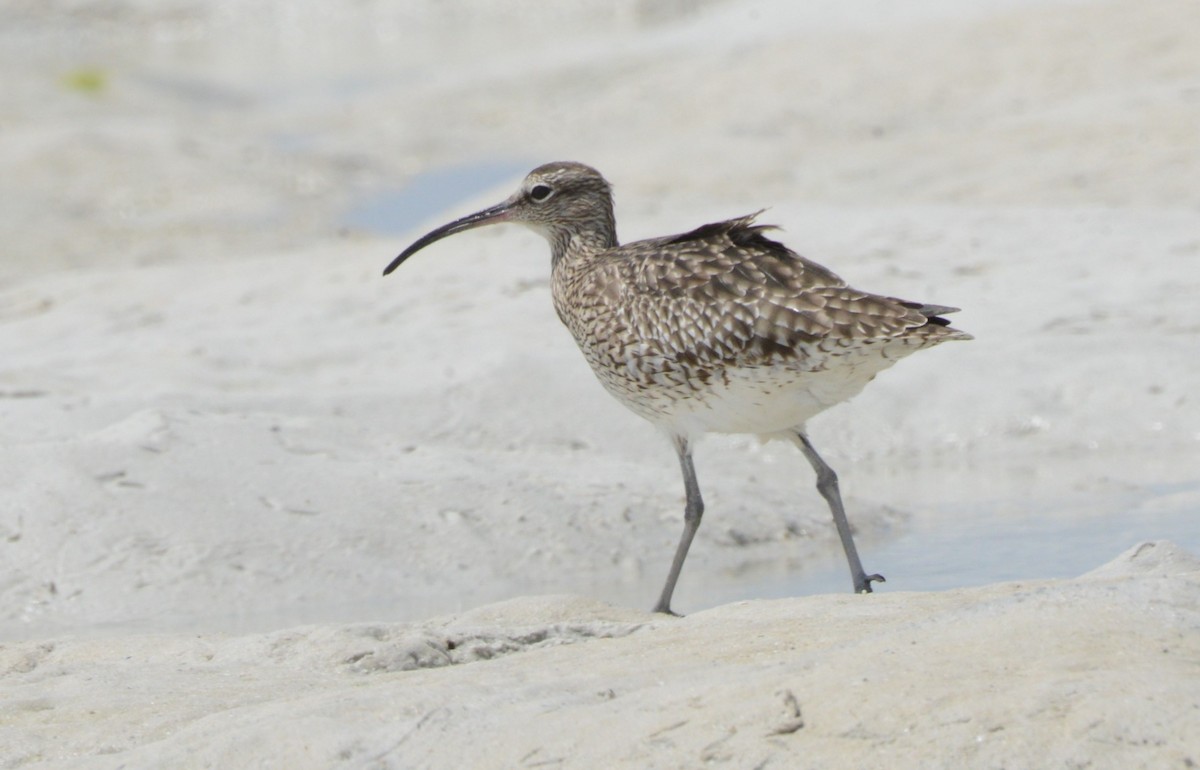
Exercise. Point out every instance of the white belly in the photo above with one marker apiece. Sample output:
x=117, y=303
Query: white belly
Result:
x=762, y=400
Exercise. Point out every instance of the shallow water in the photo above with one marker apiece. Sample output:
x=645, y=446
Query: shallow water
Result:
x=942, y=553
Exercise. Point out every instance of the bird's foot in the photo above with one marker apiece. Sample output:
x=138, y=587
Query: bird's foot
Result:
x=665, y=609
x=862, y=583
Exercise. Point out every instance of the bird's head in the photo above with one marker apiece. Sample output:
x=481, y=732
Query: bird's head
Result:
x=562, y=201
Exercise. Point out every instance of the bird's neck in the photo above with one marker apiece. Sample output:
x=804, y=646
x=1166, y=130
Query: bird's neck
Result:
x=582, y=240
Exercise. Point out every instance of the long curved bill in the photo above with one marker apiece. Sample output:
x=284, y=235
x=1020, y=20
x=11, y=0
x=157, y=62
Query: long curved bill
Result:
x=498, y=213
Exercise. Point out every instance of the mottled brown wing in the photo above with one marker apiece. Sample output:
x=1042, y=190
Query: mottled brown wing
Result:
x=726, y=294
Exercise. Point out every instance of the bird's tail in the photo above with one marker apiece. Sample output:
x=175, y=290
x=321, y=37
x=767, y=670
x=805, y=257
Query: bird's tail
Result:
x=933, y=316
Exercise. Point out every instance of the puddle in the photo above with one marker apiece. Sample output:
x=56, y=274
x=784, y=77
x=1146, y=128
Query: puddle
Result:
x=986, y=547
x=399, y=211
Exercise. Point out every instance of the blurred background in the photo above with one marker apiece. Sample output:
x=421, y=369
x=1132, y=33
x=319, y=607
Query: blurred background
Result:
x=149, y=131
x=197, y=197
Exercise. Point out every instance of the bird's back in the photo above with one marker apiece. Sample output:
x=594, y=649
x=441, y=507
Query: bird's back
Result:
x=726, y=330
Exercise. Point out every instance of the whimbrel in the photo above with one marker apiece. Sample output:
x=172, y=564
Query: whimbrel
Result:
x=720, y=329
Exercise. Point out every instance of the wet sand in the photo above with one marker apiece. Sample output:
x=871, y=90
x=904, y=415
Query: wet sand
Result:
x=240, y=470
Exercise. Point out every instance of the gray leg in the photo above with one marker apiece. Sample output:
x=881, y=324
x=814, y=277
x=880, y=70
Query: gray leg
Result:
x=827, y=485
x=691, y=522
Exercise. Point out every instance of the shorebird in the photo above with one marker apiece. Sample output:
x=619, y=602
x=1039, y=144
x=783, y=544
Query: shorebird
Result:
x=716, y=330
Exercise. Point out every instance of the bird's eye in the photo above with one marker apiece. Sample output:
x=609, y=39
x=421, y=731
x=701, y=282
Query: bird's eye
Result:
x=540, y=192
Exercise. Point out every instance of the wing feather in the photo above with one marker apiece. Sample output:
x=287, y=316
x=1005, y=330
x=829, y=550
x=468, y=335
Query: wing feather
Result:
x=726, y=294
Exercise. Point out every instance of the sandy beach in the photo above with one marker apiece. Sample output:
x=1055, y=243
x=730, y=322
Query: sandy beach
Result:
x=261, y=507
